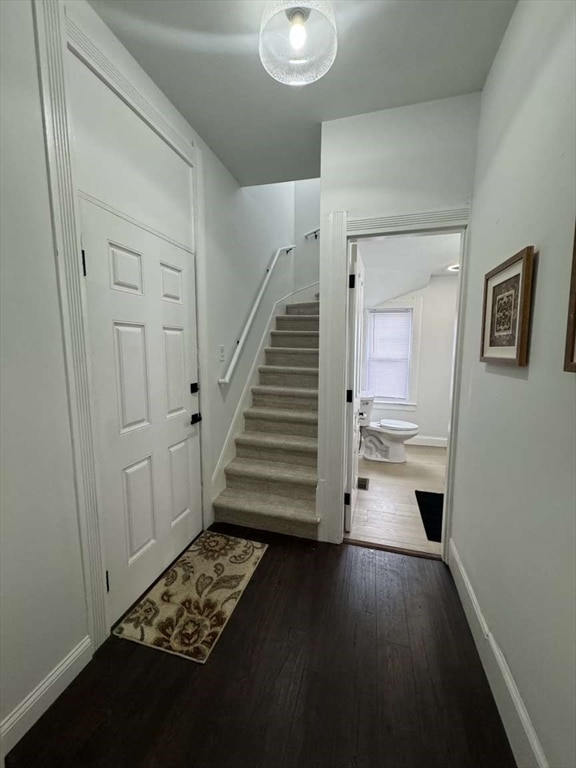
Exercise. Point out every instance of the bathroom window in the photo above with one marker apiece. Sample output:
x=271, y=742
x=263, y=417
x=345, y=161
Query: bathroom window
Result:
x=389, y=353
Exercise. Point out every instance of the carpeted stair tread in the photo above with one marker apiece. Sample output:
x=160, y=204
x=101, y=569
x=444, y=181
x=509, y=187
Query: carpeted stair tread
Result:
x=272, y=389
x=289, y=369
x=295, y=333
x=267, y=504
x=286, y=442
x=279, y=414
x=273, y=470
x=304, y=308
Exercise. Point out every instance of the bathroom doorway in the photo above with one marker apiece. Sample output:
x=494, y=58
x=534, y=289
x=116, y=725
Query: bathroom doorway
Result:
x=401, y=354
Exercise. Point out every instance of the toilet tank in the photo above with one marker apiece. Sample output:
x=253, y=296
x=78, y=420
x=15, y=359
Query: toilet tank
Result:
x=366, y=405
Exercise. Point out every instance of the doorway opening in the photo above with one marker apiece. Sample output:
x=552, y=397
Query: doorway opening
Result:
x=402, y=315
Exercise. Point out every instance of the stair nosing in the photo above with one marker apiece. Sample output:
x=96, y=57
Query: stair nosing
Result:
x=298, y=515
x=293, y=350
x=284, y=442
x=281, y=414
x=273, y=471
x=279, y=389
x=286, y=369
x=303, y=333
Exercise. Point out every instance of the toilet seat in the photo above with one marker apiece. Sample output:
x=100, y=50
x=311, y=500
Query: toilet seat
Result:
x=395, y=424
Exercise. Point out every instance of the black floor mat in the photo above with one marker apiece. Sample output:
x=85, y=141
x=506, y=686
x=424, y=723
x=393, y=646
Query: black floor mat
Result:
x=431, y=505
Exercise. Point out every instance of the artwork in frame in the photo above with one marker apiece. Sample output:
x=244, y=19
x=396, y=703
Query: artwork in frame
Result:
x=506, y=310
x=570, y=353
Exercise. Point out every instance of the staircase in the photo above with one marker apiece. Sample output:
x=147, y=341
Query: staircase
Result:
x=271, y=484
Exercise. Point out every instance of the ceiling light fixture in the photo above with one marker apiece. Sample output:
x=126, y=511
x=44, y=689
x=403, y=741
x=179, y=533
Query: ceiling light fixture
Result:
x=298, y=40
x=454, y=268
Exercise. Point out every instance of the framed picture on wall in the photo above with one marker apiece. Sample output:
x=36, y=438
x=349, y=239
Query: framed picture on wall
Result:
x=506, y=310
x=570, y=354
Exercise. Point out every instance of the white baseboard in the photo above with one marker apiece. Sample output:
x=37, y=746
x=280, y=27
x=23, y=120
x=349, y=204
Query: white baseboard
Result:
x=519, y=728
x=23, y=717
x=431, y=442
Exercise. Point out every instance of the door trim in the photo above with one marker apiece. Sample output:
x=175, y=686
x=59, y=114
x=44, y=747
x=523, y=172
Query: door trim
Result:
x=95, y=59
x=331, y=436
x=50, y=41
x=53, y=32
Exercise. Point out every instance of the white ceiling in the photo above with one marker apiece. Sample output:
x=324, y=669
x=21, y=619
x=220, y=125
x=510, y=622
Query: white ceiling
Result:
x=204, y=56
x=395, y=266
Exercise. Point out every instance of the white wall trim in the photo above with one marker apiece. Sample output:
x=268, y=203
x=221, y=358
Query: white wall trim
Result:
x=332, y=447
x=409, y=222
x=122, y=215
x=21, y=719
x=332, y=377
x=82, y=47
x=49, y=26
x=455, y=387
x=519, y=727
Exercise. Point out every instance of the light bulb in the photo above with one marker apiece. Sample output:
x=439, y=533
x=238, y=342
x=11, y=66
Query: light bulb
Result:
x=297, y=32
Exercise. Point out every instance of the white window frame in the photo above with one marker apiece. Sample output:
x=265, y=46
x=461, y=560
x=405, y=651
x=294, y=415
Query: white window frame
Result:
x=415, y=304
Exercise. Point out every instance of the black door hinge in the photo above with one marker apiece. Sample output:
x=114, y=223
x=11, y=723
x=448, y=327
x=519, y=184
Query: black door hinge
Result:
x=194, y=388
x=107, y=582
x=83, y=262
x=351, y=281
x=196, y=418
x=349, y=396
x=346, y=499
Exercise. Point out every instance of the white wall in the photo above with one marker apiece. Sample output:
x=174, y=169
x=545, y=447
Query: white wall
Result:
x=244, y=227
x=515, y=484
x=43, y=614
x=306, y=218
x=403, y=160
x=438, y=320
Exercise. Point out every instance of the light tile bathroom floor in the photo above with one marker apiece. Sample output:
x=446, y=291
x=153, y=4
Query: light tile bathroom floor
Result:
x=387, y=514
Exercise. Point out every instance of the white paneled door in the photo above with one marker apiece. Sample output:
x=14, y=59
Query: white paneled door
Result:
x=142, y=337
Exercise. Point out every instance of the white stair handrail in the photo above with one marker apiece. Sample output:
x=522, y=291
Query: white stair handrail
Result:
x=242, y=340
x=315, y=233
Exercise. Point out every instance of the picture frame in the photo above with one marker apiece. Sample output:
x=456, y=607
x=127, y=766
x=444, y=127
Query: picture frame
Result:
x=570, y=349
x=506, y=310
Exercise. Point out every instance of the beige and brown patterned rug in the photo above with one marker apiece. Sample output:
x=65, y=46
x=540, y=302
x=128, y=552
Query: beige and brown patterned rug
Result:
x=187, y=609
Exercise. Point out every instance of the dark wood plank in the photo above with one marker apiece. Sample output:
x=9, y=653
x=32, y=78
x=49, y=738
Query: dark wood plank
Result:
x=336, y=657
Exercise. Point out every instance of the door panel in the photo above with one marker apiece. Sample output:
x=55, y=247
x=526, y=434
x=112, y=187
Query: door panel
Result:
x=142, y=336
x=354, y=355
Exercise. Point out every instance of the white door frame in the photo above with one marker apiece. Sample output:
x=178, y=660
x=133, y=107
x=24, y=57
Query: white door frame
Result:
x=55, y=32
x=332, y=379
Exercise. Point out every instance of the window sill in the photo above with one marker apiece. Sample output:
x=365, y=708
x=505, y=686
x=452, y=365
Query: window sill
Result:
x=394, y=405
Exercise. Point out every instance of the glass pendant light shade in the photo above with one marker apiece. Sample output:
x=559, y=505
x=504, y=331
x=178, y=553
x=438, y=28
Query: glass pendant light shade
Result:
x=298, y=40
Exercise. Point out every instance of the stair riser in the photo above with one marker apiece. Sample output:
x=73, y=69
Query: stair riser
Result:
x=289, y=340
x=285, y=402
x=298, y=359
x=270, y=453
x=284, y=379
x=263, y=523
x=278, y=488
x=296, y=323
x=281, y=427
x=311, y=308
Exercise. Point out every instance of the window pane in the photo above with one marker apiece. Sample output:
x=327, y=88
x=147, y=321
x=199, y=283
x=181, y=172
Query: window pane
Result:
x=388, y=379
x=389, y=346
x=391, y=334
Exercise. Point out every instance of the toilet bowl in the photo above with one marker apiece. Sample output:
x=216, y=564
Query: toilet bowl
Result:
x=384, y=440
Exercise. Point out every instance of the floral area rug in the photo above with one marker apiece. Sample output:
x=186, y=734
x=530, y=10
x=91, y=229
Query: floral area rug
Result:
x=187, y=609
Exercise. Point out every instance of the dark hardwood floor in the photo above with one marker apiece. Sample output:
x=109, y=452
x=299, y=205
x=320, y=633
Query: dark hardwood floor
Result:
x=336, y=657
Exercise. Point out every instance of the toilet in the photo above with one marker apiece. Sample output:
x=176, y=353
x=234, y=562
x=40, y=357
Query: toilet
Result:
x=384, y=440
